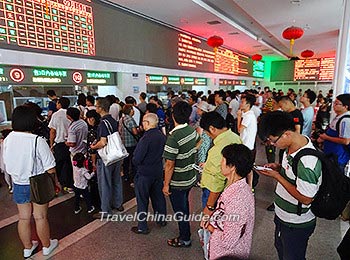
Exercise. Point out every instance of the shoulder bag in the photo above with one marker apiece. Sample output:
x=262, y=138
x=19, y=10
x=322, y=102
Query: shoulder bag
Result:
x=136, y=137
x=114, y=151
x=42, y=186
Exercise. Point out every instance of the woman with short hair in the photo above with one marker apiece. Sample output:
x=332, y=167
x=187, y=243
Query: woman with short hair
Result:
x=26, y=155
x=232, y=222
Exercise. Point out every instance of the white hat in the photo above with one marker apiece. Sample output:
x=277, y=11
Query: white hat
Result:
x=204, y=106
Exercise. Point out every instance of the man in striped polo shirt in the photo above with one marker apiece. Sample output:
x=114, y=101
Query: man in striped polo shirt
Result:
x=179, y=154
x=292, y=229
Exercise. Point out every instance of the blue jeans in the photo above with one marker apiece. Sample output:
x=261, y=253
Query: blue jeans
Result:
x=21, y=193
x=290, y=242
x=205, y=196
x=149, y=187
x=180, y=204
x=109, y=185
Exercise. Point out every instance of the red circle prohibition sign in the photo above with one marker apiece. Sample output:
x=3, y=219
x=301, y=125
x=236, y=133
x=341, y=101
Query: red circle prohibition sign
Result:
x=77, y=77
x=17, y=75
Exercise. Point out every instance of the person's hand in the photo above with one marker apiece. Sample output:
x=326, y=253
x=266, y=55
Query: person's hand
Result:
x=322, y=137
x=269, y=173
x=205, y=221
x=206, y=216
x=320, y=140
x=165, y=190
x=273, y=166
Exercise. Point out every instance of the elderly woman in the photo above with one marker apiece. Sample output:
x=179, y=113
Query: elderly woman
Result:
x=21, y=163
x=232, y=222
x=129, y=135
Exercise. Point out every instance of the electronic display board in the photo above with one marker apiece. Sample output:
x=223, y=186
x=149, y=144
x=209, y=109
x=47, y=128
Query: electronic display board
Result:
x=18, y=75
x=231, y=82
x=174, y=80
x=321, y=69
x=85, y=29
x=258, y=69
x=194, y=53
x=57, y=25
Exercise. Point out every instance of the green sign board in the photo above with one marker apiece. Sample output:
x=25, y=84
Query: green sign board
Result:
x=18, y=75
x=258, y=69
x=174, y=80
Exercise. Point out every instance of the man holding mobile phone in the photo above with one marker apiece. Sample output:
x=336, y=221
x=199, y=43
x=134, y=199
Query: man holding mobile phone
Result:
x=293, y=228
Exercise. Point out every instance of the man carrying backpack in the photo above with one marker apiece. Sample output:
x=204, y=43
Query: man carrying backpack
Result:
x=293, y=228
x=337, y=137
x=336, y=141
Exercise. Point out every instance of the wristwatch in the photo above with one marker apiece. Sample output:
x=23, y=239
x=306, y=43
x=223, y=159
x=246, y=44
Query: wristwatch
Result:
x=211, y=208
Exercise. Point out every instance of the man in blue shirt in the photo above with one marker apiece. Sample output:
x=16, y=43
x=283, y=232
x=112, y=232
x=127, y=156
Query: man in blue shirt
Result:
x=308, y=112
x=149, y=177
x=335, y=142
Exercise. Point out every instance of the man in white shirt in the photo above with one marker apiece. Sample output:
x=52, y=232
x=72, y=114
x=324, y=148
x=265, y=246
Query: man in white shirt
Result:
x=58, y=134
x=247, y=126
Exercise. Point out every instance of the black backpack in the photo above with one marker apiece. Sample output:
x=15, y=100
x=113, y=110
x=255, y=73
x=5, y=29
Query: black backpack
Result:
x=337, y=127
x=334, y=192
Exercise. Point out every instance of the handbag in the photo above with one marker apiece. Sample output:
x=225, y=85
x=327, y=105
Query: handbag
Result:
x=42, y=186
x=115, y=150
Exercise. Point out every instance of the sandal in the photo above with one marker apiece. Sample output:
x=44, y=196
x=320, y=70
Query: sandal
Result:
x=176, y=242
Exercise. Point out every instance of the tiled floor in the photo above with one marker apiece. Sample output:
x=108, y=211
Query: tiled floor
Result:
x=114, y=240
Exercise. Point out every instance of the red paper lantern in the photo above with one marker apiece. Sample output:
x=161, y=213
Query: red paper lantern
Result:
x=256, y=57
x=292, y=33
x=307, y=54
x=215, y=42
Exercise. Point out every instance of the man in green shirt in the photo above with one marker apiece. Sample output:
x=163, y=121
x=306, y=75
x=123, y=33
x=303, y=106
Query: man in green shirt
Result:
x=213, y=181
x=179, y=153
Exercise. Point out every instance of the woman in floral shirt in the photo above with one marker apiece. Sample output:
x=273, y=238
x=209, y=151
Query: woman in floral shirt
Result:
x=232, y=222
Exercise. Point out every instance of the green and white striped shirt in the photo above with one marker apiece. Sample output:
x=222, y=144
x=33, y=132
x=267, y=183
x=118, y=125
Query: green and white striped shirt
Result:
x=181, y=148
x=308, y=182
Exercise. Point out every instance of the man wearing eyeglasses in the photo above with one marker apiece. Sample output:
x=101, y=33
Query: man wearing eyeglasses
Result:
x=337, y=136
x=336, y=141
x=292, y=230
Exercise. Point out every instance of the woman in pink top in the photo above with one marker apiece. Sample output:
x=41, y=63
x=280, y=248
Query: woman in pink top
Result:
x=232, y=222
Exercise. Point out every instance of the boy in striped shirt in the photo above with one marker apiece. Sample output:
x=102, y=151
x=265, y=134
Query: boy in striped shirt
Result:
x=292, y=230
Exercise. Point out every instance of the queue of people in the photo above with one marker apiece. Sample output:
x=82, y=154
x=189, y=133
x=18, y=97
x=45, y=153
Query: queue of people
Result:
x=216, y=134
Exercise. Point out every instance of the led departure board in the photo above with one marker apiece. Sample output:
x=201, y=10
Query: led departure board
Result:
x=314, y=69
x=230, y=62
x=196, y=54
x=58, y=25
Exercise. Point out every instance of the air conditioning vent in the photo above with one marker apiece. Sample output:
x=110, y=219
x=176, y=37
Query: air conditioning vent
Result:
x=213, y=22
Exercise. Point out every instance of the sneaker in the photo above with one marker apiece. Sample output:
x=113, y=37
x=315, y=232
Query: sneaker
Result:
x=121, y=208
x=28, y=252
x=77, y=211
x=136, y=230
x=53, y=245
x=69, y=190
x=92, y=209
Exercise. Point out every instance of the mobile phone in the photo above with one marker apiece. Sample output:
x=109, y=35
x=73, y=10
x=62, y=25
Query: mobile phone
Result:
x=197, y=167
x=261, y=168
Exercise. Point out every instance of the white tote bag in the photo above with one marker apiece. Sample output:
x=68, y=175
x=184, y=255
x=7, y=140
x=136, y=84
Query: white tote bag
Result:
x=115, y=150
